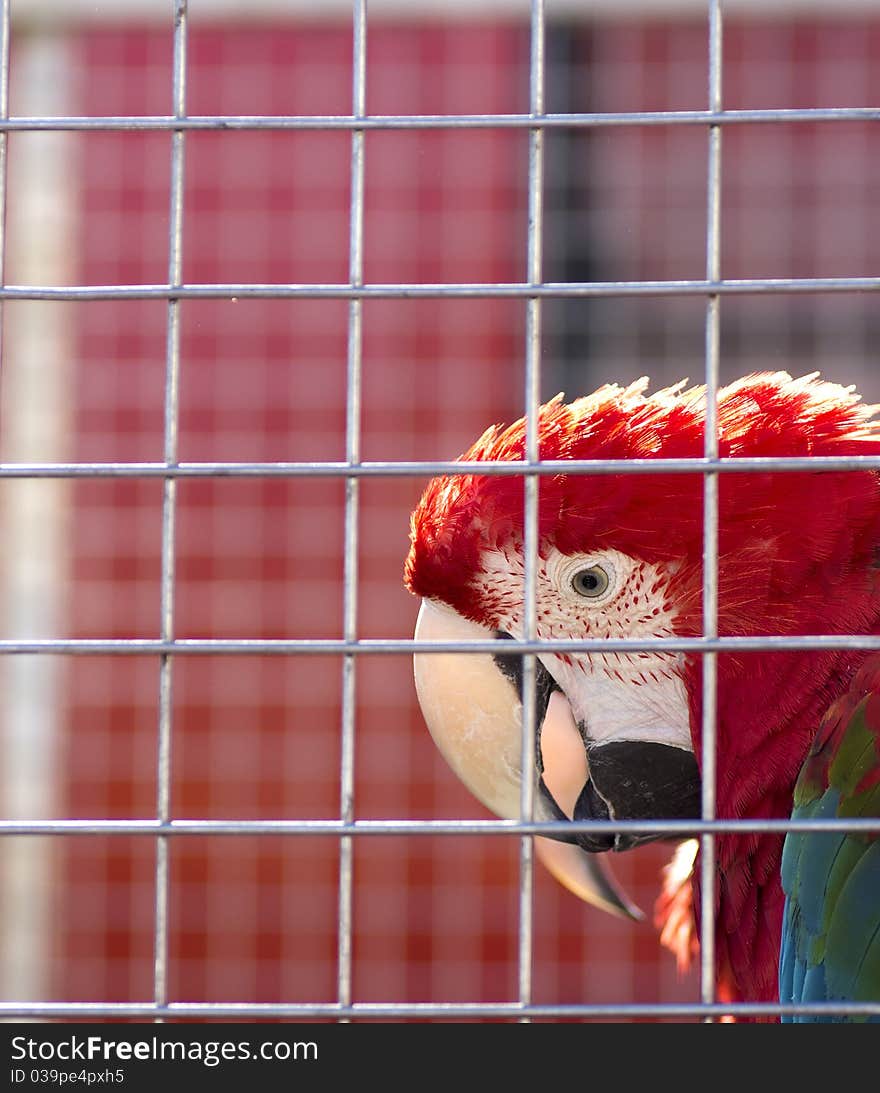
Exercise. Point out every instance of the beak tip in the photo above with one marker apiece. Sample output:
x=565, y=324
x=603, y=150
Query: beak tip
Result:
x=587, y=876
x=633, y=912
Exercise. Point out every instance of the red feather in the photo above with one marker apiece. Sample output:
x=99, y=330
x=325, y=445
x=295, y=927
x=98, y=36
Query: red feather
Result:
x=797, y=555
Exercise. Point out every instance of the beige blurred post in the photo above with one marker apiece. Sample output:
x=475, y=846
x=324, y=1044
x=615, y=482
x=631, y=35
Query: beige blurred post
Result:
x=35, y=425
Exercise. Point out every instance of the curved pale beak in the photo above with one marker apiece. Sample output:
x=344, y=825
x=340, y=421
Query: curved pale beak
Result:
x=566, y=771
x=472, y=706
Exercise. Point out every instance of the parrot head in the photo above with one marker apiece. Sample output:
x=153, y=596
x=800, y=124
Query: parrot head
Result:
x=621, y=556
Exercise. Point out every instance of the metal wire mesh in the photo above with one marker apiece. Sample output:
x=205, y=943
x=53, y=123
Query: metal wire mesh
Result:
x=168, y=648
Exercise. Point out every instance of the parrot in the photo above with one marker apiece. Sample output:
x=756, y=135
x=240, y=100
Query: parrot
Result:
x=618, y=734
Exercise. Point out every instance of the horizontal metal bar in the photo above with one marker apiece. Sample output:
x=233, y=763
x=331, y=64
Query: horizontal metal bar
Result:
x=40, y=15
x=421, y=1010
x=338, y=828
x=495, y=290
x=347, y=122
x=428, y=467
x=771, y=643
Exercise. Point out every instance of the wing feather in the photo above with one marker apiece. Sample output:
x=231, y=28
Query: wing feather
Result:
x=831, y=921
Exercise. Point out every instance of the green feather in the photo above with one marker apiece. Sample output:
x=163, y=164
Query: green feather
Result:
x=831, y=927
x=852, y=958
x=856, y=754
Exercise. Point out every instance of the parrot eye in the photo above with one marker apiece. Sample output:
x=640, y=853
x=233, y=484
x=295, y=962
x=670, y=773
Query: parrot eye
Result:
x=591, y=582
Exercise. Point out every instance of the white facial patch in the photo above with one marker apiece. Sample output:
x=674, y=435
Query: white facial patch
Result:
x=600, y=594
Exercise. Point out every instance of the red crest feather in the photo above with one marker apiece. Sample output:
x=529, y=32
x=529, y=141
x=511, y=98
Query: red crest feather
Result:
x=792, y=520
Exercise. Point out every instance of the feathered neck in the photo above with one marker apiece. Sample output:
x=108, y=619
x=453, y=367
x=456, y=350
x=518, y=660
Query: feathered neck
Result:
x=769, y=709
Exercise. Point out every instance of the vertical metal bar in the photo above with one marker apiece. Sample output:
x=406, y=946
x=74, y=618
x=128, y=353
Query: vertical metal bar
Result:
x=169, y=499
x=352, y=455
x=4, y=143
x=530, y=498
x=710, y=517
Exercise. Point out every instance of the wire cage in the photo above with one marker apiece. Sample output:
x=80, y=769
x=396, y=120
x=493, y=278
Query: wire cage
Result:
x=266, y=268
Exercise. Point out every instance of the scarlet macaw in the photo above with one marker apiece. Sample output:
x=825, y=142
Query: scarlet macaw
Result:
x=620, y=555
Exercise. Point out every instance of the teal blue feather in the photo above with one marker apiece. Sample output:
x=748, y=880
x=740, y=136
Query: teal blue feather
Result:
x=831, y=921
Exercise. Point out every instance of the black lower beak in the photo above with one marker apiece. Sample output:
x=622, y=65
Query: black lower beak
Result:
x=636, y=780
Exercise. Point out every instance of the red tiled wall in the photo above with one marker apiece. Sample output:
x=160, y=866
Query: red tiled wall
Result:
x=798, y=199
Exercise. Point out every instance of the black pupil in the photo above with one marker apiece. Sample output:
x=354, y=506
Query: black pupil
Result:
x=590, y=582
